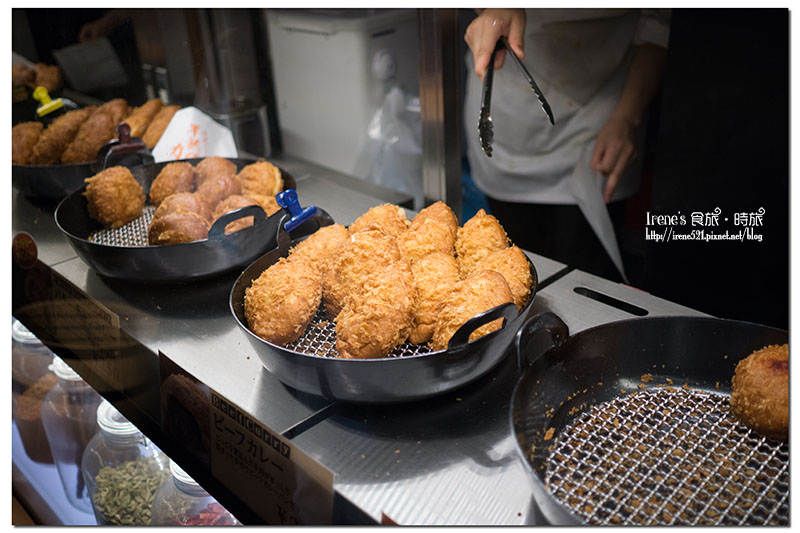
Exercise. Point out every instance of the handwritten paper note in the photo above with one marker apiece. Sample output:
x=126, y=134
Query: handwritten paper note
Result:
x=191, y=133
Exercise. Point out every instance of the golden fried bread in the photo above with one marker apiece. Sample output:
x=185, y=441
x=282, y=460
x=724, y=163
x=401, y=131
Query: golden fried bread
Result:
x=23, y=138
x=436, y=278
x=378, y=313
x=260, y=178
x=760, y=391
x=213, y=190
x=92, y=135
x=232, y=203
x=183, y=202
x=267, y=203
x=114, y=197
x=140, y=117
x=173, y=178
x=159, y=123
x=177, y=228
x=477, y=293
x=281, y=302
x=440, y=212
x=213, y=167
x=57, y=136
x=513, y=265
x=477, y=238
x=357, y=259
x=322, y=246
x=427, y=237
x=388, y=217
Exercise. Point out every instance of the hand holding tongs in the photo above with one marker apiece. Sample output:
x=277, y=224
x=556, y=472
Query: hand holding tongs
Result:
x=485, y=128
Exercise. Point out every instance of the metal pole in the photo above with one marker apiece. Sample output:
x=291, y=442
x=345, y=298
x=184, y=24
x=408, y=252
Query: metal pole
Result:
x=439, y=105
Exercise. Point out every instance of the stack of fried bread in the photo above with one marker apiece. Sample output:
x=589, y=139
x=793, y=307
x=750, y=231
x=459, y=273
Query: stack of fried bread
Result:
x=188, y=198
x=77, y=136
x=386, y=280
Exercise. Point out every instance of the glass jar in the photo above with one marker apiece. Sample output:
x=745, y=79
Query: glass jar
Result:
x=122, y=469
x=69, y=420
x=30, y=358
x=180, y=501
x=30, y=383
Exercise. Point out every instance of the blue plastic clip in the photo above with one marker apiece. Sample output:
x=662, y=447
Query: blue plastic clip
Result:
x=288, y=200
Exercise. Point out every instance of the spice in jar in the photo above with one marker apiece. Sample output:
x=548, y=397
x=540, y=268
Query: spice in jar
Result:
x=28, y=417
x=29, y=405
x=124, y=494
x=212, y=515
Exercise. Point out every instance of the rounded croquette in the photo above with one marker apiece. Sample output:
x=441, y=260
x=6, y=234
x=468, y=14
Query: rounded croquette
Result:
x=760, y=391
x=114, y=197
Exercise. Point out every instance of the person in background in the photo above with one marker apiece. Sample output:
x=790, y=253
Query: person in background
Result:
x=599, y=70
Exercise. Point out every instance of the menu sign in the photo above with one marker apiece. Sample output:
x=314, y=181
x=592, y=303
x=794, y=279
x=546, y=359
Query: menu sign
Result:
x=274, y=478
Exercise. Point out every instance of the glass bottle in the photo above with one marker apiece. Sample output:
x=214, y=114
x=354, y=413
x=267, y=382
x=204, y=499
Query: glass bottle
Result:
x=31, y=381
x=180, y=501
x=68, y=417
x=123, y=470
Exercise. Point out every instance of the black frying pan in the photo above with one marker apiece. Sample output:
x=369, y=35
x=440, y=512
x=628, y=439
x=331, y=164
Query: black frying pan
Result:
x=178, y=262
x=407, y=376
x=594, y=367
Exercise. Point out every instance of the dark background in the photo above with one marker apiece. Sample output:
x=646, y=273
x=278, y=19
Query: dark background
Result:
x=723, y=141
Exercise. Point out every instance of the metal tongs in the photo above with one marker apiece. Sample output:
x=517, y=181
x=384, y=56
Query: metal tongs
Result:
x=485, y=128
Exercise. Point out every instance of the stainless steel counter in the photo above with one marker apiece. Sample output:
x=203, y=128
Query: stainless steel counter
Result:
x=450, y=460
x=453, y=460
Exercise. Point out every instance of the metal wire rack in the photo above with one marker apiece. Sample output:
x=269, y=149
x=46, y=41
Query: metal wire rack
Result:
x=668, y=456
x=320, y=339
x=132, y=234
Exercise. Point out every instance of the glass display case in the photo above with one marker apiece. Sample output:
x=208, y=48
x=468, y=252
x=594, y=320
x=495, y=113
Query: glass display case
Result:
x=164, y=158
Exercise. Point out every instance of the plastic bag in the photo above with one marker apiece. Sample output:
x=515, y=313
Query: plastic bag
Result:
x=392, y=153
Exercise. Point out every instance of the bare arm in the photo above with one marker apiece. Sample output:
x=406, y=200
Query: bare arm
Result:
x=614, y=148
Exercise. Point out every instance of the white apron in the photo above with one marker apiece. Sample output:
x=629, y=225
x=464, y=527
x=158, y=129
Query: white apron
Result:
x=580, y=59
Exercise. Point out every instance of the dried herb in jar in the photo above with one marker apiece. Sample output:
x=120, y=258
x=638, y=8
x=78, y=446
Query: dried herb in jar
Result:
x=124, y=494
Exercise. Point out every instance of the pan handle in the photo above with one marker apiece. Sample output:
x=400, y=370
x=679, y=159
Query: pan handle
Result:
x=508, y=311
x=549, y=322
x=217, y=229
x=115, y=152
x=284, y=239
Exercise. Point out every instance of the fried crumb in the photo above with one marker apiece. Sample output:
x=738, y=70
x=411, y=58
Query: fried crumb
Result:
x=549, y=434
x=646, y=378
x=685, y=386
x=717, y=385
x=668, y=381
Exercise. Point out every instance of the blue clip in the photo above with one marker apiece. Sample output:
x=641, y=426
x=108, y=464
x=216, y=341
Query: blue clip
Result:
x=288, y=200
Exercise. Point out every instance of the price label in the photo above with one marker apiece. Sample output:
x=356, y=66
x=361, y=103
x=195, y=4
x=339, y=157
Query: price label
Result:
x=274, y=478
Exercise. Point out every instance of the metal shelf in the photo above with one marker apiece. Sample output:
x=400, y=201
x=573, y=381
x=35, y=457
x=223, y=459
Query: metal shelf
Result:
x=450, y=460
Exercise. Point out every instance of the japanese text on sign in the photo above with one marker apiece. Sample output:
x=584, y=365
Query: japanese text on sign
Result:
x=195, y=146
x=277, y=481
